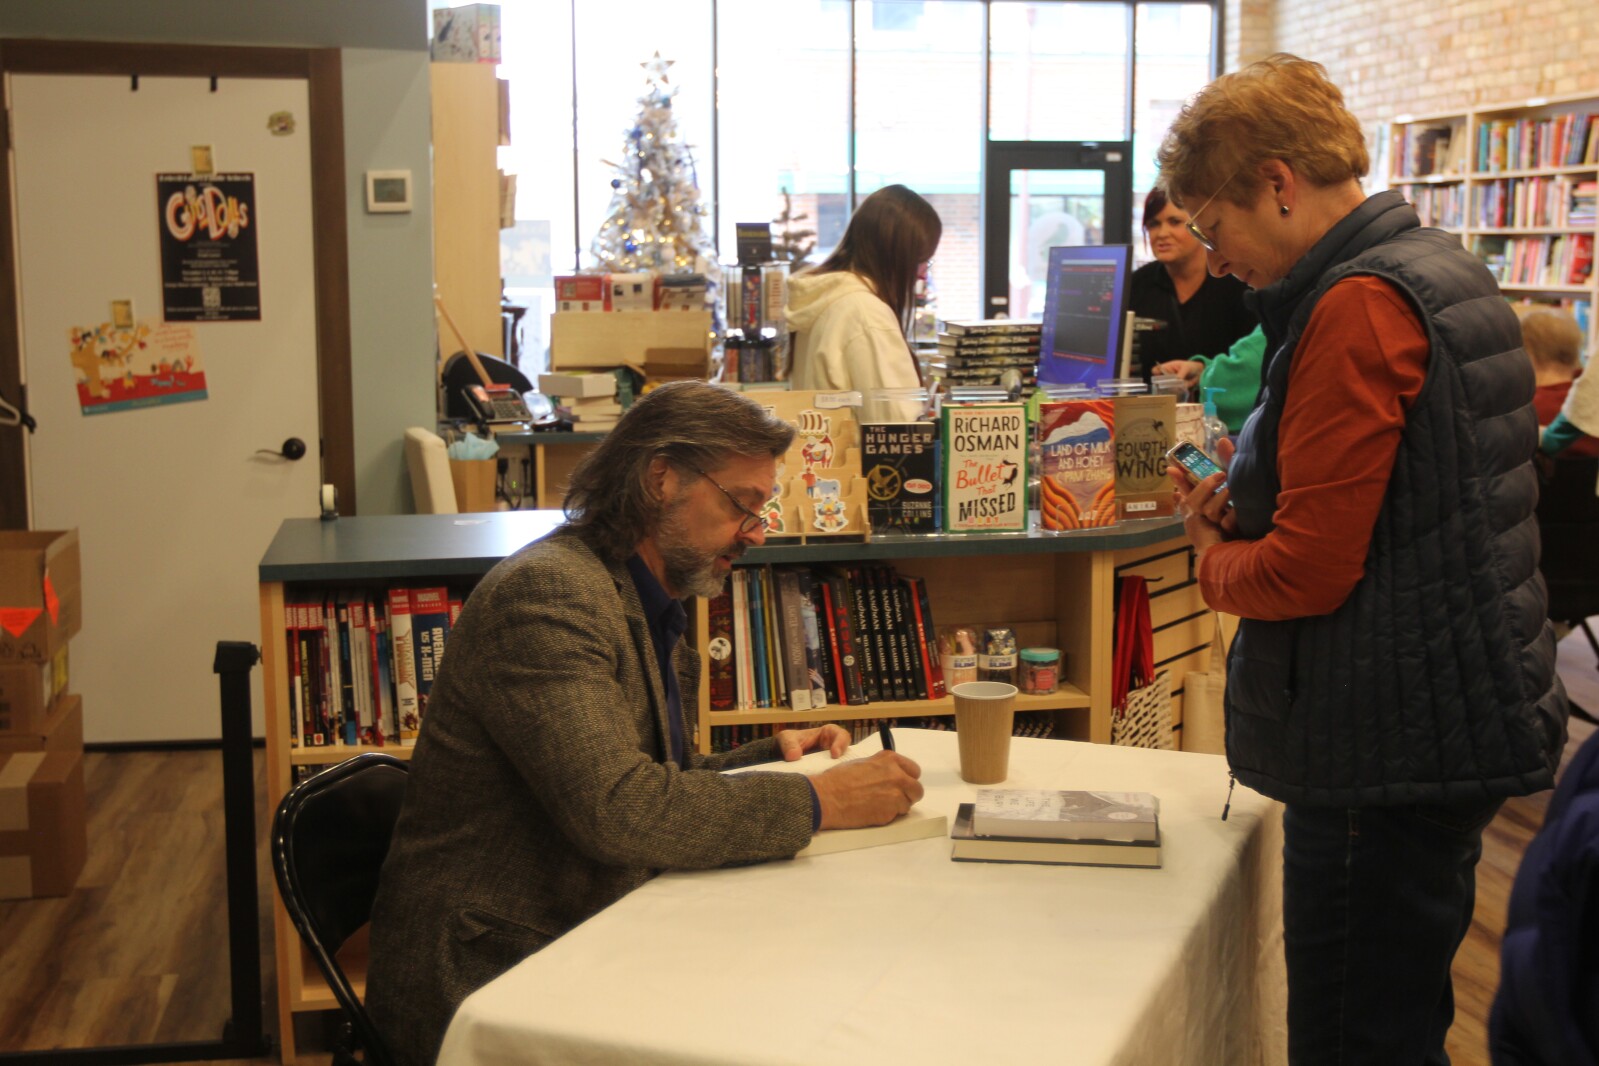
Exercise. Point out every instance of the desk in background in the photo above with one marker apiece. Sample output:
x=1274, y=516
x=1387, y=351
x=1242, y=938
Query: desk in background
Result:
x=554, y=457
x=897, y=954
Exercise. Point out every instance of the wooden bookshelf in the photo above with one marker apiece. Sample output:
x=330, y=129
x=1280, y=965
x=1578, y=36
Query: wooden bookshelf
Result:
x=1457, y=168
x=1053, y=588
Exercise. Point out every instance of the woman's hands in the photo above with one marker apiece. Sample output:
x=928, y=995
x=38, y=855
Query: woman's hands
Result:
x=1187, y=369
x=1208, y=516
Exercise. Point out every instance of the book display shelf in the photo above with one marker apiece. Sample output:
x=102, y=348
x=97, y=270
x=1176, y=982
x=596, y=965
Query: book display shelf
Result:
x=1054, y=589
x=1517, y=182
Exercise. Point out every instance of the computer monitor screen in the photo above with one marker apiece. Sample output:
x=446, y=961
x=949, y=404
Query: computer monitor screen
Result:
x=1085, y=304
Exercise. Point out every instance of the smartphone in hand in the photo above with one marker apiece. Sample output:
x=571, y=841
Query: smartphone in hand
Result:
x=1193, y=461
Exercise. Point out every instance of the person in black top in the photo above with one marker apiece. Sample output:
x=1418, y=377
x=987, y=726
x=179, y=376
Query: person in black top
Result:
x=1190, y=312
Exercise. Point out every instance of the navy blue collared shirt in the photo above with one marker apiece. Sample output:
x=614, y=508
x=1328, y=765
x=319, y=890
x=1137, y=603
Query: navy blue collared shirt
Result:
x=668, y=622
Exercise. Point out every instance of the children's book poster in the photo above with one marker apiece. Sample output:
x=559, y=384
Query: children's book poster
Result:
x=209, y=268
x=147, y=364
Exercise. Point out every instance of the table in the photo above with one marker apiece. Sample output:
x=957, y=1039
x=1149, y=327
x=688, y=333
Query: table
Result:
x=897, y=954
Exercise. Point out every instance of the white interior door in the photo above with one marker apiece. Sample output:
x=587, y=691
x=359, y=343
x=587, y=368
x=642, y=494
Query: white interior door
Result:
x=174, y=504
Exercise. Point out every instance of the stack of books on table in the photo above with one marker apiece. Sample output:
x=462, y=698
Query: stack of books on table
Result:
x=1059, y=827
x=588, y=401
x=978, y=352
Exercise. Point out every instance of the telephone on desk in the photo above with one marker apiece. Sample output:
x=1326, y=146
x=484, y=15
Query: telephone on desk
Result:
x=467, y=395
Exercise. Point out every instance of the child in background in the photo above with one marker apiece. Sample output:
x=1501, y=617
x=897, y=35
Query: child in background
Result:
x=1554, y=342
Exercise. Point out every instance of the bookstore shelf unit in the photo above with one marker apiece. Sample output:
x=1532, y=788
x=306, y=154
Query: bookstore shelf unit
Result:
x=1055, y=589
x=1517, y=183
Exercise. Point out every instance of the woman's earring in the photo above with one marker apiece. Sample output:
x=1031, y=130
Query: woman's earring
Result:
x=1284, y=209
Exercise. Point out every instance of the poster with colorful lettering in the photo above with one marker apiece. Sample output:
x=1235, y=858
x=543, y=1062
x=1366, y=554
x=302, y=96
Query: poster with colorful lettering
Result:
x=985, y=467
x=1076, y=464
x=148, y=364
x=210, y=271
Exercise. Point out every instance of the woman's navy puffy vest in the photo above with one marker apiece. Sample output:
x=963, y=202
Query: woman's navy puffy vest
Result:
x=1435, y=680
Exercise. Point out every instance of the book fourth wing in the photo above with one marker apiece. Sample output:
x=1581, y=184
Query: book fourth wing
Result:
x=966, y=846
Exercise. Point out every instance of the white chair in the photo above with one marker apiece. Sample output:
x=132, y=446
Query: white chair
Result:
x=429, y=463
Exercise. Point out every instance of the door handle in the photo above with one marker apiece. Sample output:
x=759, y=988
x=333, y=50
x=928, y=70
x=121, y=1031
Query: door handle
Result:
x=292, y=449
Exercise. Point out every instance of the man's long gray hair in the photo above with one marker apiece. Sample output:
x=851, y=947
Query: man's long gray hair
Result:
x=609, y=500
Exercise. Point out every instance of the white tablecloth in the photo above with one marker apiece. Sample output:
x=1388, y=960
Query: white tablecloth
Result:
x=897, y=954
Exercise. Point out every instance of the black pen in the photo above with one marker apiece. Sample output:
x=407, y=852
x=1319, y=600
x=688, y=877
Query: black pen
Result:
x=888, y=738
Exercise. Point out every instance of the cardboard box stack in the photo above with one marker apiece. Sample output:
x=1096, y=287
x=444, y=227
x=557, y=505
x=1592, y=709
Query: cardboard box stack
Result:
x=43, y=816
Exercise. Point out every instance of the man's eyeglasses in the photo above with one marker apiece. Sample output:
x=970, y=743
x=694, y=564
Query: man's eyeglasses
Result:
x=752, y=521
x=1193, y=219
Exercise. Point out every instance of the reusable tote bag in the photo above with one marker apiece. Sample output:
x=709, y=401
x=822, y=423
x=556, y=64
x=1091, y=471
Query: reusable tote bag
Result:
x=1204, y=691
x=1140, y=694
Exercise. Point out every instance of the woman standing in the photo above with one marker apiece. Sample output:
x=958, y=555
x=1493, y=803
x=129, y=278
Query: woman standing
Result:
x=1190, y=312
x=1392, y=680
x=851, y=315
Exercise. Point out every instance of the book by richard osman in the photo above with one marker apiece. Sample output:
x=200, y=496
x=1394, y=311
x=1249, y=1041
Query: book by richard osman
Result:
x=1066, y=814
x=985, y=467
x=967, y=846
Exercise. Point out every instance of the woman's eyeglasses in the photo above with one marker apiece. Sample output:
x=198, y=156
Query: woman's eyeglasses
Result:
x=752, y=521
x=1193, y=224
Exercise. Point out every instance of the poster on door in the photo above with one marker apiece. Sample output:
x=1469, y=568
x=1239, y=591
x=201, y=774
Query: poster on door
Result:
x=147, y=364
x=209, y=268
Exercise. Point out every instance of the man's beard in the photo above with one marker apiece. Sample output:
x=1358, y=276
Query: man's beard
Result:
x=689, y=570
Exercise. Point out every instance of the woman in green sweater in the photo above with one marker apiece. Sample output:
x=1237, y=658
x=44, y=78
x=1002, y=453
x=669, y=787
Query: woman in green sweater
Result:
x=1237, y=371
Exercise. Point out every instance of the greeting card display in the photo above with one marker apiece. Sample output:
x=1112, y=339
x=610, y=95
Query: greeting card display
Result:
x=819, y=491
x=985, y=467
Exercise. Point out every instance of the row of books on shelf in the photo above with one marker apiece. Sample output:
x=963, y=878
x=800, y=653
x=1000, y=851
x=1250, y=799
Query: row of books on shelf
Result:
x=725, y=738
x=805, y=638
x=1420, y=150
x=1529, y=143
x=1543, y=201
x=361, y=665
x=1563, y=260
x=1439, y=205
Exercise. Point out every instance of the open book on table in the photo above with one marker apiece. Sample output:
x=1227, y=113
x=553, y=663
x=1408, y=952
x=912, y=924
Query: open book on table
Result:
x=914, y=825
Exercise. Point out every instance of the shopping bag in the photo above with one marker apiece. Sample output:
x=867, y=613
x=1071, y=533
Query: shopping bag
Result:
x=1204, y=692
x=1140, y=694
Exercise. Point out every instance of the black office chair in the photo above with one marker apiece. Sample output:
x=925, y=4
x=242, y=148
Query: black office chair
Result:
x=1568, y=523
x=329, y=839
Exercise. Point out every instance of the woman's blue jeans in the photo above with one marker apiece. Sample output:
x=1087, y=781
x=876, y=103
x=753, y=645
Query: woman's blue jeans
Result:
x=1375, y=902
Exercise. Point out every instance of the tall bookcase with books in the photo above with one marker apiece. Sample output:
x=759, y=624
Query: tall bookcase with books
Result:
x=1518, y=182
x=1052, y=589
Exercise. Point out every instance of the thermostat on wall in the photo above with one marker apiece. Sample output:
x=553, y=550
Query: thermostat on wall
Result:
x=388, y=191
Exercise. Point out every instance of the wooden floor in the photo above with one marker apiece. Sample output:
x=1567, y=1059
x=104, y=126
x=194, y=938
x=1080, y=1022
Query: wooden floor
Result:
x=138, y=953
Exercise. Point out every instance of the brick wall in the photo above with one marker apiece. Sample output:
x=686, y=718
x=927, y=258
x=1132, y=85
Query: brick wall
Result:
x=1392, y=58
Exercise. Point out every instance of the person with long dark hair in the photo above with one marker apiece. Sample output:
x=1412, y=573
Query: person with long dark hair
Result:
x=851, y=315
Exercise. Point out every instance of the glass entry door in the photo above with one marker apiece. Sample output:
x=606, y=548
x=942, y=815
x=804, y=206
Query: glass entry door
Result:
x=1040, y=194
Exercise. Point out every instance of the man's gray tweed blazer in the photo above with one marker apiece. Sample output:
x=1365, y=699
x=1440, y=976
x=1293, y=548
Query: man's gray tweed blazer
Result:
x=539, y=791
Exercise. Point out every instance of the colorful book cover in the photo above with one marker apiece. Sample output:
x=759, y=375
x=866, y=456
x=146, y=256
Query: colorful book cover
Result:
x=1145, y=430
x=1077, y=463
x=813, y=639
x=900, y=461
x=386, y=728
x=929, y=635
x=719, y=650
x=985, y=468
x=403, y=641
x=763, y=690
x=791, y=627
x=430, y=626
x=836, y=590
